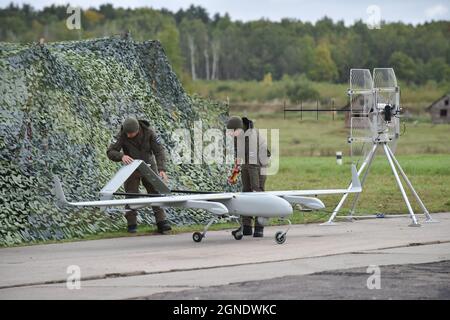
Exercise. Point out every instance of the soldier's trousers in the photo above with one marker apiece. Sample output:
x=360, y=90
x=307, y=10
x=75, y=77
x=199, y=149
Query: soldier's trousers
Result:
x=132, y=186
x=252, y=180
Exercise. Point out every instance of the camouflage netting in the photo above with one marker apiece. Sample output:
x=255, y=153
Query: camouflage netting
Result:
x=61, y=104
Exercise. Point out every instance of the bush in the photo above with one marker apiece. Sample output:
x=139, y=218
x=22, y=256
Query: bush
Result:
x=301, y=89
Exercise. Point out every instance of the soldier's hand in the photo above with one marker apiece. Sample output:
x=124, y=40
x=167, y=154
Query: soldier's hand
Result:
x=163, y=175
x=127, y=159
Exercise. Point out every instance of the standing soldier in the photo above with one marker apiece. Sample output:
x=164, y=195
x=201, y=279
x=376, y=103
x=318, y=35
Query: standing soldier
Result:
x=136, y=140
x=253, y=161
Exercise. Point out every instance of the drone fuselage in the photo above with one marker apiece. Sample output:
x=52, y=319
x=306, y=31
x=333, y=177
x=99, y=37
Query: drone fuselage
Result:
x=261, y=205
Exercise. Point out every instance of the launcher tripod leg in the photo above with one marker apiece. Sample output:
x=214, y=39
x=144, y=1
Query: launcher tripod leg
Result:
x=402, y=190
x=429, y=219
x=344, y=197
x=369, y=164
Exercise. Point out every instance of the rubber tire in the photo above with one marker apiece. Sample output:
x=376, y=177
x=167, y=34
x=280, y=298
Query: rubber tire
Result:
x=280, y=238
x=197, y=236
x=238, y=235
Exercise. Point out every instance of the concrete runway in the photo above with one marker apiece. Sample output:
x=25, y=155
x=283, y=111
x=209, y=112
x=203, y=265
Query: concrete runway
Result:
x=156, y=266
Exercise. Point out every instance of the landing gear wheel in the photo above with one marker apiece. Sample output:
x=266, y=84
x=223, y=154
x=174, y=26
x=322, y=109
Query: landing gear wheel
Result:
x=238, y=235
x=280, y=237
x=197, y=236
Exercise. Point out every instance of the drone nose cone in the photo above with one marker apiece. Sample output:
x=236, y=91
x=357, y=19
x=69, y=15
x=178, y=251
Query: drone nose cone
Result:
x=285, y=207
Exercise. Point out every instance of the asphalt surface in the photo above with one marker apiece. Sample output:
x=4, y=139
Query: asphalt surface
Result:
x=411, y=281
x=160, y=266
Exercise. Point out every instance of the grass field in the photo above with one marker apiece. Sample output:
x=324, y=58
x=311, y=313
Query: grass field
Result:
x=307, y=160
x=309, y=137
x=430, y=174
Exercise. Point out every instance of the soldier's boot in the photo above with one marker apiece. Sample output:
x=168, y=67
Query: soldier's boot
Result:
x=131, y=217
x=161, y=222
x=259, y=232
x=163, y=226
x=246, y=231
x=132, y=228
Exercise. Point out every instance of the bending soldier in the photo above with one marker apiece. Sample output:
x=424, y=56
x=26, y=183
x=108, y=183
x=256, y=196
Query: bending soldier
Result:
x=136, y=140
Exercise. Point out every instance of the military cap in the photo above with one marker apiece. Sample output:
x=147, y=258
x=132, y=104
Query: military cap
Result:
x=130, y=125
x=235, y=123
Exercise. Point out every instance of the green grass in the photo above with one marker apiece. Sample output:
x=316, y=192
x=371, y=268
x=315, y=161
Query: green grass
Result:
x=430, y=175
x=309, y=137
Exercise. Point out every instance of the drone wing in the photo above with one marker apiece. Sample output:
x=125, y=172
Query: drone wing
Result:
x=307, y=197
x=200, y=201
x=210, y=201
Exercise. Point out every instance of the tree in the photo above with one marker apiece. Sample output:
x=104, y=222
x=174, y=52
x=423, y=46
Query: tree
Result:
x=438, y=70
x=194, y=38
x=324, y=68
x=92, y=18
x=170, y=40
x=108, y=11
x=193, y=13
x=403, y=65
x=217, y=47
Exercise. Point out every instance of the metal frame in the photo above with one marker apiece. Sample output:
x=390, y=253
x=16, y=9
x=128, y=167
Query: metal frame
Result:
x=394, y=164
x=375, y=88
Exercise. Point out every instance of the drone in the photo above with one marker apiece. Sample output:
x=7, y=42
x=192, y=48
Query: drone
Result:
x=264, y=205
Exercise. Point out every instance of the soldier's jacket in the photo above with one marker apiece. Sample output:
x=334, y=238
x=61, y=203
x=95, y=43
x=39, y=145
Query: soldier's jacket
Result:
x=142, y=147
x=251, y=146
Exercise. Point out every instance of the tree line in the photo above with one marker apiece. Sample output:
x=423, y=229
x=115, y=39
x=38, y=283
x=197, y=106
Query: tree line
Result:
x=214, y=47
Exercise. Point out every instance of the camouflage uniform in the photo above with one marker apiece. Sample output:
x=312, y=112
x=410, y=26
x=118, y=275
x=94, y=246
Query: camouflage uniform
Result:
x=252, y=179
x=145, y=146
x=254, y=146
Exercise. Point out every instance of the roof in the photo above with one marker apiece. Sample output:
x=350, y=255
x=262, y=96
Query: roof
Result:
x=441, y=98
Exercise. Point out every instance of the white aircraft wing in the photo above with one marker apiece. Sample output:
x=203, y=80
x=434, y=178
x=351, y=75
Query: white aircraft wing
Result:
x=212, y=201
x=307, y=197
x=355, y=187
x=198, y=201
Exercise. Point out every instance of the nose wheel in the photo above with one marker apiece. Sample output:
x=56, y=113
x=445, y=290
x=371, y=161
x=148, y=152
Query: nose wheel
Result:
x=197, y=236
x=280, y=237
x=237, y=234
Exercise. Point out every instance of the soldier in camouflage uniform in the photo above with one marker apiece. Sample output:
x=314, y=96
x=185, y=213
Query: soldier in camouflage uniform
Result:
x=136, y=140
x=253, y=162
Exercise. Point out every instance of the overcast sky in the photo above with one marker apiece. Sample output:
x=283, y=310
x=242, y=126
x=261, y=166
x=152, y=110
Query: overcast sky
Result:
x=408, y=11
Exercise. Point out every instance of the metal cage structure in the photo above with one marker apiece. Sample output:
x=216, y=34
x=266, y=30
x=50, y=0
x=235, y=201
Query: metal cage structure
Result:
x=375, y=124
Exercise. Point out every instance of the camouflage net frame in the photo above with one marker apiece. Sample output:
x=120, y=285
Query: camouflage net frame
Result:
x=61, y=104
